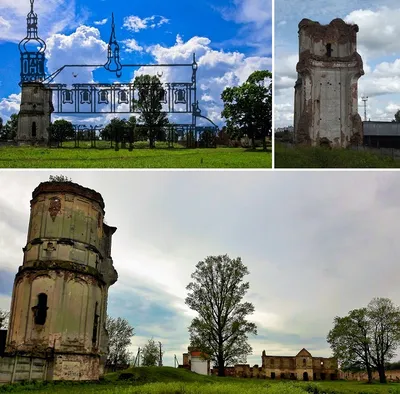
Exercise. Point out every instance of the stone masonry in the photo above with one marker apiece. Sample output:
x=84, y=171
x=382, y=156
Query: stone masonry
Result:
x=326, y=97
x=59, y=300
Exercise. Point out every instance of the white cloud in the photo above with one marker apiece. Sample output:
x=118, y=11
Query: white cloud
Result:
x=131, y=45
x=217, y=69
x=9, y=105
x=53, y=17
x=135, y=23
x=102, y=22
x=379, y=30
x=84, y=46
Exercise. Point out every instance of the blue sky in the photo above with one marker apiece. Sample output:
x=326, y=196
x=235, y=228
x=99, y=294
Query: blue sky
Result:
x=231, y=38
x=377, y=43
x=311, y=258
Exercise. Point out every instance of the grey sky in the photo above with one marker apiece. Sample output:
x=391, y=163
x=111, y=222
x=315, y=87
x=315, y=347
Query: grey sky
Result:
x=317, y=245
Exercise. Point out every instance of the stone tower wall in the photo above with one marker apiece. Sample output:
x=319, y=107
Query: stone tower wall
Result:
x=326, y=97
x=67, y=261
x=35, y=114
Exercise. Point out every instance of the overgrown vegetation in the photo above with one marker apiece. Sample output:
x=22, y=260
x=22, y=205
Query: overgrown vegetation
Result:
x=319, y=157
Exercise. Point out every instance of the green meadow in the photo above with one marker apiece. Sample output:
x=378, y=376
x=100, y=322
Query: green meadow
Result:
x=168, y=380
x=37, y=157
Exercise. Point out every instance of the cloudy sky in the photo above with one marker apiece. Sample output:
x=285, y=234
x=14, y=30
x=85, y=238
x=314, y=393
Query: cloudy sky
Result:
x=231, y=39
x=378, y=45
x=317, y=244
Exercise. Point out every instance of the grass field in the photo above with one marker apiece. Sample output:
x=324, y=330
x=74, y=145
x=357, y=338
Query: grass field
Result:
x=168, y=380
x=36, y=157
x=306, y=157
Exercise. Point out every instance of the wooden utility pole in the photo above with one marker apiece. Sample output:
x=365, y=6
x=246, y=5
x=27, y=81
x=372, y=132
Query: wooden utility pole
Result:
x=160, y=360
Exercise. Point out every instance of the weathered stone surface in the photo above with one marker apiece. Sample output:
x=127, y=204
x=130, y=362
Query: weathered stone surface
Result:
x=35, y=113
x=326, y=107
x=59, y=302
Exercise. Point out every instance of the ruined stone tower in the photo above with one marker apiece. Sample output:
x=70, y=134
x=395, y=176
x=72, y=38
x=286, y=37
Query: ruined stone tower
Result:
x=36, y=98
x=326, y=97
x=35, y=114
x=59, y=300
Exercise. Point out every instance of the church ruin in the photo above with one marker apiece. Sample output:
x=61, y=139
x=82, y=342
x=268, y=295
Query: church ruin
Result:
x=59, y=300
x=326, y=96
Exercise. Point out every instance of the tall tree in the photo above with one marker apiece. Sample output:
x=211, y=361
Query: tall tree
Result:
x=61, y=130
x=367, y=337
x=221, y=329
x=117, y=129
x=349, y=340
x=151, y=92
x=4, y=317
x=248, y=107
x=384, y=333
x=151, y=354
x=397, y=117
x=120, y=334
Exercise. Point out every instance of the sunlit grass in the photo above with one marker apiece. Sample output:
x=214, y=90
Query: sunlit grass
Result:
x=35, y=157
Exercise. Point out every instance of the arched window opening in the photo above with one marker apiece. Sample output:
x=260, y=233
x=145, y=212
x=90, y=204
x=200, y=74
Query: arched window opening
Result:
x=33, y=129
x=329, y=50
x=95, y=324
x=40, y=310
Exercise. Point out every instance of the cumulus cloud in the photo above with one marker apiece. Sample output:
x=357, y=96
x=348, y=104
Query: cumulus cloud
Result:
x=84, y=46
x=9, y=105
x=135, y=23
x=379, y=30
x=131, y=45
x=217, y=69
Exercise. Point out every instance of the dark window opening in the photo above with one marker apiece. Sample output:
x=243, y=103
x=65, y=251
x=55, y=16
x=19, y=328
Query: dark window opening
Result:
x=322, y=376
x=40, y=310
x=333, y=376
x=95, y=324
x=305, y=376
x=329, y=50
x=282, y=375
x=272, y=375
x=304, y=361
x=33, y=129
x=315, y=376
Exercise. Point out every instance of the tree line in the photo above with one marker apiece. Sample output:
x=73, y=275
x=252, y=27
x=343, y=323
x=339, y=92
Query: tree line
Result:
x=247, y=111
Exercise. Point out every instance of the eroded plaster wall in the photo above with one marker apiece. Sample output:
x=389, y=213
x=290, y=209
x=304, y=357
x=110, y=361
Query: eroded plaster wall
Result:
x=59, y=301
x=326, y=107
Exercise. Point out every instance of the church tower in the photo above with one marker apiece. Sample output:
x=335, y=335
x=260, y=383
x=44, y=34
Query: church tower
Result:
x=326, y=97
x=36, y=100
x=59, y=301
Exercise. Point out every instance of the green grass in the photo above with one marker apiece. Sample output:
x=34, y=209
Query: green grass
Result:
x=307, y=157
x=168, y=380
x=36, y=157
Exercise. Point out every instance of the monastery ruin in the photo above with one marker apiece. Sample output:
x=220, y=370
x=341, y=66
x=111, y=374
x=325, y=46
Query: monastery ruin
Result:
x=59, y=301
x=326, y=94
x=303, y=366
